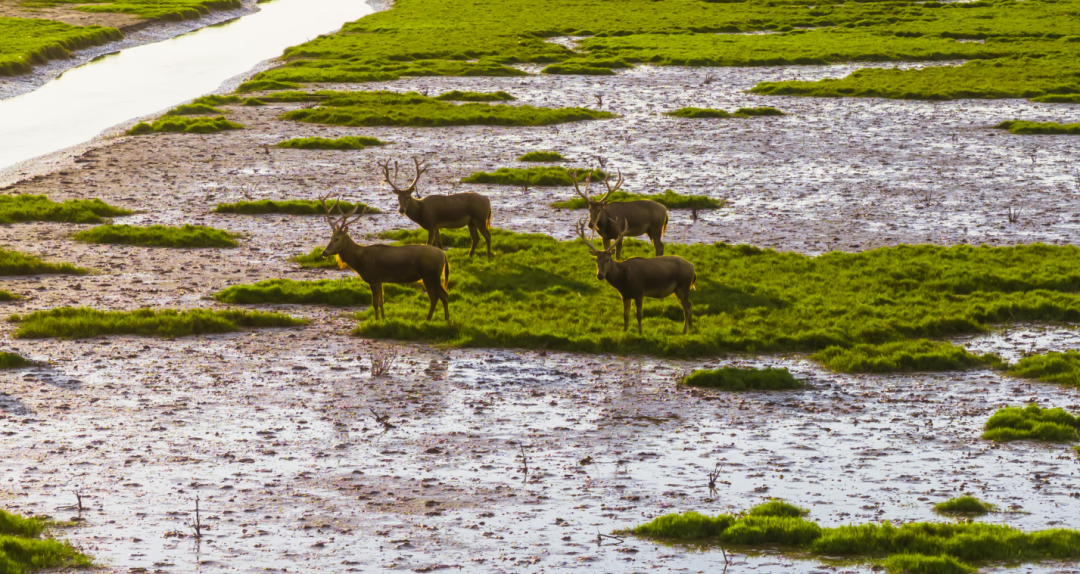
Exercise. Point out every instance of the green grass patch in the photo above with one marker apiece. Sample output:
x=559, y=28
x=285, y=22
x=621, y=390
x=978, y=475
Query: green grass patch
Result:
x=542, y=156
x=965, y=504
x=686, y=526
x=415, y=110
x=15, y=525
x=193, y=110
x=172, y=10
x=10, y=361
x=778, y=507
x=542, y=293
x=533, y=176
x=298, y=71
x=292, y=206
x=922, y=564
x=15, y=263
x=1060, y=368
x=333, y=292
x=83, y=323
x=22, y=549
x=344, y=143
x=25, y=42
x=668, y=199
x=16, y=208
x=1032, y=128
x=315, y=260
x=158, y=236
x=459, y=96
x=8, y=296
x=184, y=125
x=578, y=69
x=1032, y=423
x=899, y=356
x=700, y=113
x=1058, y=99
x=735, y=379
x=216, y=100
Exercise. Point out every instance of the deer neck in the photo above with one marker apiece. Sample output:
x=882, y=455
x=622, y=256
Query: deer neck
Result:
x=350, y=255
x=413, y=209
x=616, y=275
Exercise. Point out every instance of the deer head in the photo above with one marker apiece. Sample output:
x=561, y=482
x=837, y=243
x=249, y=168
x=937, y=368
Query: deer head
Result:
x=339, y=238
x=404, y=194
x=596, y=206
x=604, y=259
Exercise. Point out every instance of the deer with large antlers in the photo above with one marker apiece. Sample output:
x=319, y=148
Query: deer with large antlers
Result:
x=642, y=217
x=441, y=211
x=639, y=277
x=378, y=264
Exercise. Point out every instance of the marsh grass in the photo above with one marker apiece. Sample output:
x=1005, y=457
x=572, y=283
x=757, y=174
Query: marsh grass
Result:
x=8, y=296
x=10, y=361
x=460, y=96
x=736, y=379
x=668, y=199
x=17, y=208
x=415, y=110
x=540, y=292
x=15, y=263
x=1034, y=128
x=173, y=10
x=292, y=207
x=686, y=526
x=333, y=292
x=966, y=505
x=700, y=113
x=555, y=176
x=1032, y=423
x=1060, y=368
x=314, y=260
x=922, y=564
x=83, y=323
x=778, y=507
x=22, y=550
x=216, y=100
x=578, y=69
x=899, y=356
x=542, y=156
x=188, y=236
x=344, y=143
x=186, y=125
x=26, y=42
x=298, y=71
x=193, y=110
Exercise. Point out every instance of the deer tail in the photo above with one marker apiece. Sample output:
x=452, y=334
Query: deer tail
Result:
x=446, y=276
x=489, y=219
x=663, y=230
x=693, y=280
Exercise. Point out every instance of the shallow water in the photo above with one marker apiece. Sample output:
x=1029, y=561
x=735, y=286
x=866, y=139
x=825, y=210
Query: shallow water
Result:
x=85, y=101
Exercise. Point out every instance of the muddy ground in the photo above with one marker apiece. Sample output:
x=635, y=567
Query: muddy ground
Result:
x=304, y=462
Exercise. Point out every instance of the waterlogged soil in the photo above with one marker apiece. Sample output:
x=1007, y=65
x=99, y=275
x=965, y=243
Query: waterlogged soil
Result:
x=302, y=460
x=68, y=14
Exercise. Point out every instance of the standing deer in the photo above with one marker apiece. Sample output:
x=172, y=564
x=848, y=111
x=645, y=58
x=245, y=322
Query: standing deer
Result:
x=378, y=264
x=638, y=277
x=442, y=211
x=643, y=217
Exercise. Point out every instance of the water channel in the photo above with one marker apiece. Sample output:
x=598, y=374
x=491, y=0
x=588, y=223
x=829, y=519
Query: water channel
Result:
x=139, y=81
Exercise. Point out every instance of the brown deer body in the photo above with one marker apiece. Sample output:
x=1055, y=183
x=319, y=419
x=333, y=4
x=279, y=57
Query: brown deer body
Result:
x=638, y=277
x=378, y=264
x=437, y=212
x=641, y=217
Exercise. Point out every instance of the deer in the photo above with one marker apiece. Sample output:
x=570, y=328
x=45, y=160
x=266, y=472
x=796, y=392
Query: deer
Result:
x=643, y=217
x=378, y=264
x=442, y=211
x=640, y=277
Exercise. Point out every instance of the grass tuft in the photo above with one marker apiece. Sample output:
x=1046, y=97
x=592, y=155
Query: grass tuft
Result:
x=1032, y=128
x=26, y=42
x=900, y=356
x=542, y=156
x=698, y=113
x=192, y=110
x=578, y=69
x=315, y=260
x=533, y=176
x=83, y=323
x=1060, y=368
x=459, y=96
x=187, y=236
x=186, y=125
x=22, y=551
x=292, y=206
x=216, y=100
x=686, y=526
x=922, y=564
x=10, y=361
x=965, y=504
x=345, y=143
x=1032, y=423
x=735, y=379
x=15, y=208
x=668, y=199
x=334, y=292
x=15, y=263
x=778, y=507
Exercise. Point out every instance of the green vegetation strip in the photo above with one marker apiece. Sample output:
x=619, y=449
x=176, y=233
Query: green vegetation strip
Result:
x=345, y=143
x=1032, y=423
x=964, y=505
x=534, y=176
x=8, y=296
x=315, y=260
x=542, y=293
x=185, y=125
x=735, y=379
x=333, y=292
x=193, y=110
x=668, y=199
x=415, y=110
x=158, y=236
x=910, y=547
x=696, y=113
x=82, y=323
x=918, y=355
x=173, y=10
x=542, y=156
x=22, y=549
x=1033, y=128
x=1060, y=368
x=26, y=42
x=14, y=208
x=15, y=263
x=11, y=361
x=292, y=206
x=459, y=96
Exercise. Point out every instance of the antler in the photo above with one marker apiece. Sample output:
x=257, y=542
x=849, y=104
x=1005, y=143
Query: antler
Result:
x=611, y=189
x=344, y=222
x=573, y=177
x=581, y=235
x=329, y=217
x=421, y=168
x=618, y=240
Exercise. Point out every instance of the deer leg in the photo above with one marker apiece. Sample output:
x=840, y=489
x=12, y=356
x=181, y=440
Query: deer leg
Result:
x=625, y=315
x=687, y=309
x=445, y=302
x=376, y=299
x=433, y=288
x=475, y=236
x=639, y=303
x=487, y=237
x=658, y=244
x=432, y=237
